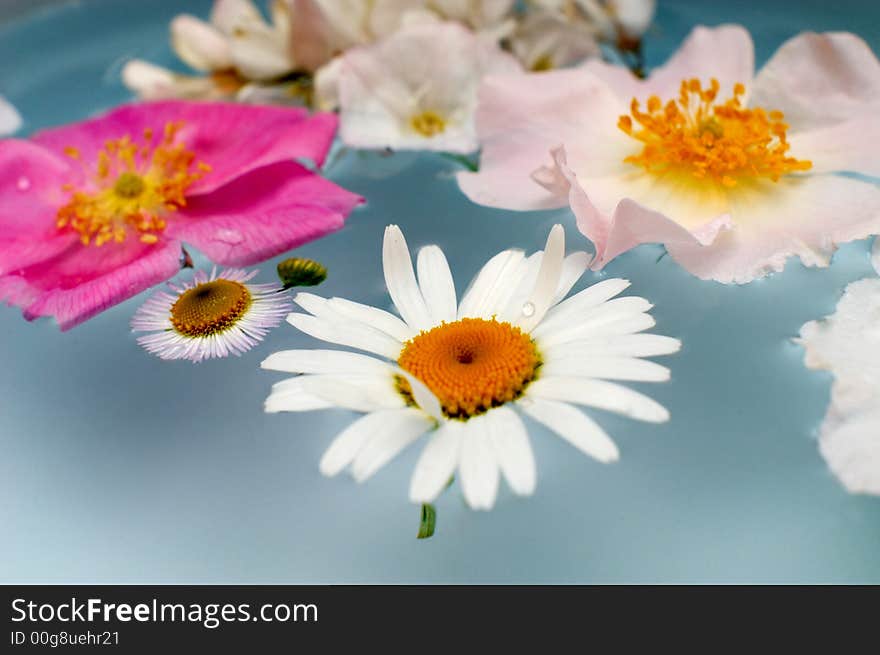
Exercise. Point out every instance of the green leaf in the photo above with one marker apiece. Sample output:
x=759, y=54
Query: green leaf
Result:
x=429, y=518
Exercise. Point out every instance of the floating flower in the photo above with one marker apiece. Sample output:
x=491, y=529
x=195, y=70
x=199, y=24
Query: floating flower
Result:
x=465, y=371
x=417, y=89
x=210, y=316
x=10, y=120
x=244, y=57
x=95, y=212
x=620, y=22
x=732, y=174
x=545, y=40
x=847, y=343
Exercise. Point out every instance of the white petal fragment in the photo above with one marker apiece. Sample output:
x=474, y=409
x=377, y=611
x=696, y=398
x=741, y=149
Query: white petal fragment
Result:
x=574, y=426
x=510, y=441
x=401, y=280
x=437, y=285
x=477, y=465
x=437, y=463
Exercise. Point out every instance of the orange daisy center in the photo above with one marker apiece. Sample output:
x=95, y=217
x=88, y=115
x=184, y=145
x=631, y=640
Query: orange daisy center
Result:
x=132, y=189
x=471, y=365
x=720, y=141
x=210, y=308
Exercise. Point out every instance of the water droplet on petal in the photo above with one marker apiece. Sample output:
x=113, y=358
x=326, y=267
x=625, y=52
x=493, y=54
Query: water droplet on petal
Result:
x=528, y=309
x=231, y=237
x=23, y=184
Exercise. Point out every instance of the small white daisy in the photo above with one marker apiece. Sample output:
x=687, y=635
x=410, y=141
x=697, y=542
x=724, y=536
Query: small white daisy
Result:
x=210, y=316
x=465, y=371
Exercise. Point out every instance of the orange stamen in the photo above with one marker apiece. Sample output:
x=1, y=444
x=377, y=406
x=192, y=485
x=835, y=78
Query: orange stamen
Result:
x=722, y=142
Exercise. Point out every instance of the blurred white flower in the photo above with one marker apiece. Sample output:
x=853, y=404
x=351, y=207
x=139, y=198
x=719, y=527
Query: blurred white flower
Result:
x=417, y=89
x=614, y=21
x=10, y=119
x=545, y=40
x=847, y=344
x=241, y=55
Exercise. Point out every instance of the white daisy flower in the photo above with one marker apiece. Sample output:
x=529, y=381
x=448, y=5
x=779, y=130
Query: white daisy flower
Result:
x=465, y=371
x=210, y=316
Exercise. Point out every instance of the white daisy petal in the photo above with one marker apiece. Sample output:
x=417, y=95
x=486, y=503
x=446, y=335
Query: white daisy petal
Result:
x=324, y=361
x=349, y=334
x=401, y=280
x=539, y=302
x=600, y=394
x=291, y=396
x=517, y=289
x=615, y=317
x=574, y=426
x=341, y=310
x=364, y=393
x=375, y=317
x=351, y=440
x=481, y=297
x=590, y=297
x=395, y=432
x=607, y=367
x=423, y=396
x=627, y=345
x=435, y=281
x=573, y=267
x=437, y=463
x=477, y=465
x=510, y=442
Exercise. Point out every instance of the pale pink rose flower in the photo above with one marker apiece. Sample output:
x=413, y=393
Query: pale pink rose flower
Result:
x=553, y=139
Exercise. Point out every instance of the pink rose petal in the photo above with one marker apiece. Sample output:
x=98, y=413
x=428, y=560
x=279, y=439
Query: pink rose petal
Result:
x=83, y=282
x=725, y=53
x=262, y=214
x=231, y=138
x=820, y=80
x=30, y=194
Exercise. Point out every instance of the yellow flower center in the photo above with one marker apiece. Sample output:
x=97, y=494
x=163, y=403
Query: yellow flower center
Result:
x=210, y=308
x=428, y=124
x=723, y=142
x=471, y=365
x=542, y=64
x=133, y=187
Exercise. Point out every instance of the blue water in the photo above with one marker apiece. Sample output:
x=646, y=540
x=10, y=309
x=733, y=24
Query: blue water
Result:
x=117, y=467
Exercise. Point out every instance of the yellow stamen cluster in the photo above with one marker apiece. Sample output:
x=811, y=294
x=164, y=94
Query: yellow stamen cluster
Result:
x=471, y=365
x=722, y=142
x=428, y=124
x=133, y=187
x=210, y=308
